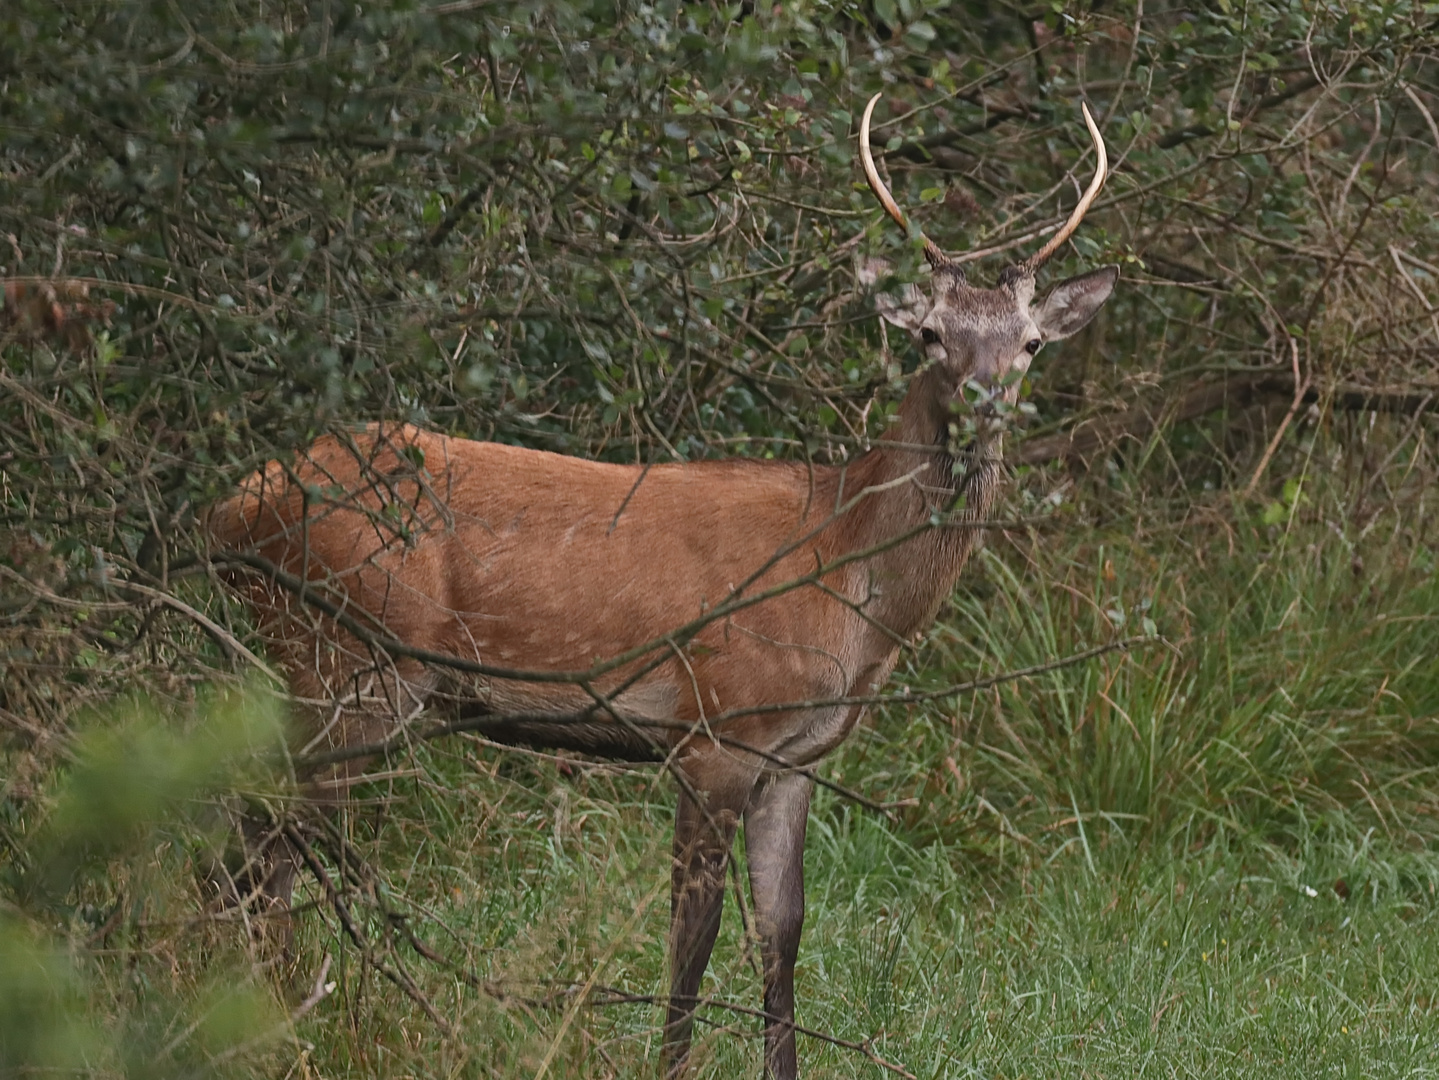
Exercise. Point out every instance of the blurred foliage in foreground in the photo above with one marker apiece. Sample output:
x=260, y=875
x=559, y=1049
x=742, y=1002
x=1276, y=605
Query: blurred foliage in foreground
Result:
x=98, y=869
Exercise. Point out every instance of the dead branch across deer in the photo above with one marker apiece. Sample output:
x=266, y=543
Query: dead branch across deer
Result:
x=309, y=592
x=406, y=738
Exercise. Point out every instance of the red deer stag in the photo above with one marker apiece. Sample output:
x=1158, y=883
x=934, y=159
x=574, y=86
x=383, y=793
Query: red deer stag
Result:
x=378, y=554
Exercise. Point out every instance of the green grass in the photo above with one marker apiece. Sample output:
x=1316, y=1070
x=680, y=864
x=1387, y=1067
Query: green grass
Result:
x=1184, y=967
x=1127, y=962
x=1129, y=867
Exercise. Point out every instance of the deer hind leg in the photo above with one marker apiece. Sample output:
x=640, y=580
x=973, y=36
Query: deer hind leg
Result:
x=774, y=845
x=277, y=863
x=256, y=871
x=364, y=716
x=704, y=835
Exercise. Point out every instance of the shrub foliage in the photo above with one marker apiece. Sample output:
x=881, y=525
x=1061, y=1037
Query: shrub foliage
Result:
x=629, y=231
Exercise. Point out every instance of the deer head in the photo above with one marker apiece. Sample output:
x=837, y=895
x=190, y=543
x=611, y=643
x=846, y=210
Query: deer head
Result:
x=973, y=337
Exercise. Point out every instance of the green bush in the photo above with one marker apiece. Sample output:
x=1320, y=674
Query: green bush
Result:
x=105, y=874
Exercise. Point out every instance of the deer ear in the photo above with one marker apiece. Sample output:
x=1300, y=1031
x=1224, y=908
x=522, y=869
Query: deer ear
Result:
x=1073, y=302
x=905, y=307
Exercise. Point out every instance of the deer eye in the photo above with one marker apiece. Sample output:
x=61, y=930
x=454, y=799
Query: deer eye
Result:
x=928, y=335
x=1033, y=346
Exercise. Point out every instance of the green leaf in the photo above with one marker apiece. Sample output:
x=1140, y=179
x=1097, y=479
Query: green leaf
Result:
x=434, y=209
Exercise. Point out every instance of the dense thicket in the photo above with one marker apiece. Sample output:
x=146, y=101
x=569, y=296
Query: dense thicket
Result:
x=629, y=231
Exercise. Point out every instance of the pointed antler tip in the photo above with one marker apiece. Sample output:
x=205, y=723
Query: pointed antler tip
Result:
x=932, y=251
x=1101, y=172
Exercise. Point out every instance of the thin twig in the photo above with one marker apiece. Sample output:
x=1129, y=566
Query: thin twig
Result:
x=907, y=697
x=357, y=935
x=615, y=996
x=1301, y=387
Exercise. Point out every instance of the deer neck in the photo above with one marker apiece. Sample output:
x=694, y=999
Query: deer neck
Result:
x=910, y=476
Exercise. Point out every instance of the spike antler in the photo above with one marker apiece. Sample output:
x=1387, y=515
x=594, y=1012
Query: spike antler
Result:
x=1030, y=265
x=936, y=257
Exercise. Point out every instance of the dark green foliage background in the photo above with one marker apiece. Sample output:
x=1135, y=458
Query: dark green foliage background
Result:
x=629, y=232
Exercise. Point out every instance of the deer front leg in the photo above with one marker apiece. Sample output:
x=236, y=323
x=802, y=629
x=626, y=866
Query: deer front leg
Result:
x=703, y=838
x=774, y=843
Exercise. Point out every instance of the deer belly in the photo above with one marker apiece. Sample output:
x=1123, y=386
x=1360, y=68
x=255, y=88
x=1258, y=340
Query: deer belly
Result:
x=821, y=731
x=543, y=716
x=825, y=727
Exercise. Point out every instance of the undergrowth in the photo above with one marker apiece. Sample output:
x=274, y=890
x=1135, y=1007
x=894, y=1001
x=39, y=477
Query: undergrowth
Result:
x=1211, y=854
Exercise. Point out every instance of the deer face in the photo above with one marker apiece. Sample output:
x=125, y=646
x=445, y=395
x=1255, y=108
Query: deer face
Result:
x=987, y=337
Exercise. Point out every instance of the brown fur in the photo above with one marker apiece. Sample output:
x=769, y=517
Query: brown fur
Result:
x=521, y=559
